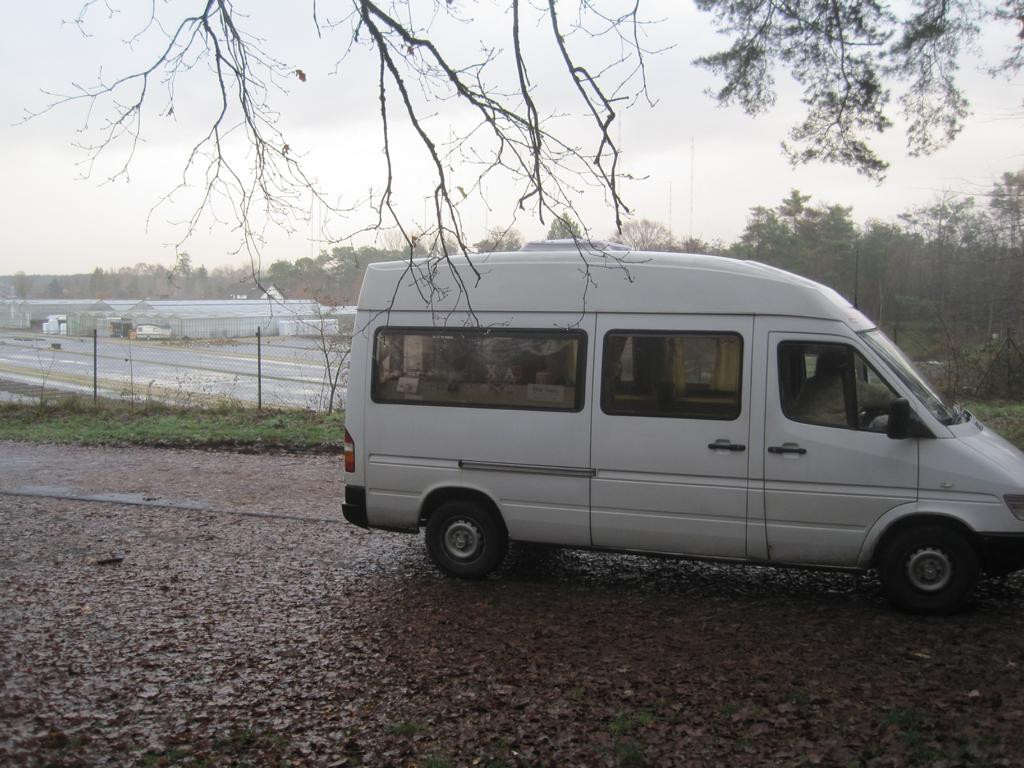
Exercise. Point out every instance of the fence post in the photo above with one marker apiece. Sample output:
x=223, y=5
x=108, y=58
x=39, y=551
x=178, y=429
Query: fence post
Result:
x=259, y=369
x=95, y=365
x=1009, y=363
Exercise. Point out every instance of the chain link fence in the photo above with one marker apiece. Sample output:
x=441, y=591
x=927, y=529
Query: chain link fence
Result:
x=295, y=371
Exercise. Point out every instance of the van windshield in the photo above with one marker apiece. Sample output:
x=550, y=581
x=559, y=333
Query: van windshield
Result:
x=909, y=375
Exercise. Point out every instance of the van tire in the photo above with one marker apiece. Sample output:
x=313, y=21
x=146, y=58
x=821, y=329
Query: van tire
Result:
x=465, y=539
x=928, y=568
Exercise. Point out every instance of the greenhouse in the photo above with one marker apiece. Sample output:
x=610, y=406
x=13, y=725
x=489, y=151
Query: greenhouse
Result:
x=184, y=319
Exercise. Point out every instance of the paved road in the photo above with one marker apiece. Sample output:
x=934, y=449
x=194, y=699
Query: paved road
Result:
x=293, y=370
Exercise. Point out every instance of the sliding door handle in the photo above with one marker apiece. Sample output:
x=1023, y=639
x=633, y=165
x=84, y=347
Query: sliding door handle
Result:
x=726, y=445
x=787, y=448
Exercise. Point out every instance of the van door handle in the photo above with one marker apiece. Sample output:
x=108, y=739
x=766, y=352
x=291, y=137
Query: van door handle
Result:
x=726, y=445
x=787, y=448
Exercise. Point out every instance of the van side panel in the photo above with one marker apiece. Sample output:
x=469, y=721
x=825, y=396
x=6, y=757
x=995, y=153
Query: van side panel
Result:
x=662, y=482
x=534, y=464
x=826, y=485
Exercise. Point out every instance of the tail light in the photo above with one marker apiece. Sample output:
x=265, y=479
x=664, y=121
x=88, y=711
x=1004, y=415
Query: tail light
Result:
x=350, y=453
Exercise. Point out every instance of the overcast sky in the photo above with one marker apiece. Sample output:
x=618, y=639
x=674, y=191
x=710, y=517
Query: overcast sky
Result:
x=56, y=222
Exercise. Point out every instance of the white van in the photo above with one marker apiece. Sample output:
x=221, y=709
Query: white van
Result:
x=152, y=332
x=676, y=404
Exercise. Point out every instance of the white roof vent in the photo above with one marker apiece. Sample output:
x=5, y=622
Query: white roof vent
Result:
x=574, y=245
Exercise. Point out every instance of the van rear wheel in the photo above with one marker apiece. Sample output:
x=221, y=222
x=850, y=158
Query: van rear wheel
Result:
x=465, y=539
x=929, y=569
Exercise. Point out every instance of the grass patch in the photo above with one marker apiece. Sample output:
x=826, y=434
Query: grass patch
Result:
x=629, y=754
x=1005, y=418
x=627, y=722
x=912, y=731
x=230, y=427
x=241, y=741
x=406, y=728
x=235, y=427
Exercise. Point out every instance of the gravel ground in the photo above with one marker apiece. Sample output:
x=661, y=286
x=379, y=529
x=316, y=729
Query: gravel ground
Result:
x=164, y=636
x=209, y=479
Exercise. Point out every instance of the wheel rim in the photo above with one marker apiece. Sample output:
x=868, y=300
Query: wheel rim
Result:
x=929, y=569
x=463, y=539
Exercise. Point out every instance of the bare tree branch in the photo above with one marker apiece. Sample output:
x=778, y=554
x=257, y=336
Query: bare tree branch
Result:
x=242, y=172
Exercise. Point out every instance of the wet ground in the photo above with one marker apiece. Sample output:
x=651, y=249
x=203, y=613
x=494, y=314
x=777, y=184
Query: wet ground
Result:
x=224, y=616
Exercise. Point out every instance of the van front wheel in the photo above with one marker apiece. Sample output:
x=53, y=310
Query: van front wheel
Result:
x=465, y=539
x=929, y=569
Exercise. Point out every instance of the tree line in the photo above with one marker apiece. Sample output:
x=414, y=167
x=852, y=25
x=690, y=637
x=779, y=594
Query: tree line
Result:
x=940, y=278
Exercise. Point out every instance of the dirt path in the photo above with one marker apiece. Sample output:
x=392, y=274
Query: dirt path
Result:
x=157, y=636
x=309, y=486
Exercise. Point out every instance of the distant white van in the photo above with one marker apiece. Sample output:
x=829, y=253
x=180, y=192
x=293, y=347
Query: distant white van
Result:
x=687, y=405
x=152, y=332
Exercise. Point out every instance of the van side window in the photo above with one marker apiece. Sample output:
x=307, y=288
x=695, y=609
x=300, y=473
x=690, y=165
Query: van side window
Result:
x=832, y=385
x=680, y=375
x=481, y=368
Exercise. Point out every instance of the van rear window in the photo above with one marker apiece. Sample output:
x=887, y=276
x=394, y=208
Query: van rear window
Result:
x=480, y=368
x=677, y=375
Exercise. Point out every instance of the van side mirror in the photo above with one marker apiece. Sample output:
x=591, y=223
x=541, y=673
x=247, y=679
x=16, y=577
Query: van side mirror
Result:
x=899, y=419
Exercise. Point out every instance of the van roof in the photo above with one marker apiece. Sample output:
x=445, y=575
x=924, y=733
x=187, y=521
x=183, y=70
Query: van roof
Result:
x=594, y=279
